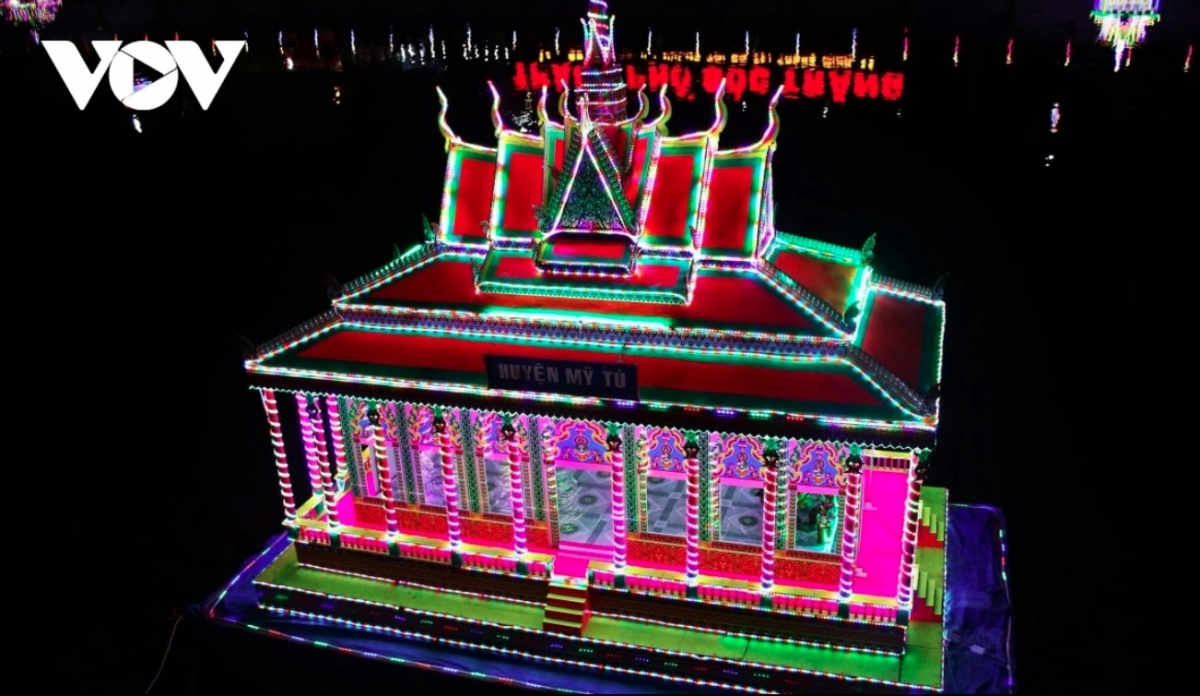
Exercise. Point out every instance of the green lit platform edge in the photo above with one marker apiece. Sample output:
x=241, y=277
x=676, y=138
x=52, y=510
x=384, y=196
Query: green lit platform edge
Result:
x=920, y=668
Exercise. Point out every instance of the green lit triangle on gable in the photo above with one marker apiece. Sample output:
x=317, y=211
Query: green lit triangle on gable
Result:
x=588, y=204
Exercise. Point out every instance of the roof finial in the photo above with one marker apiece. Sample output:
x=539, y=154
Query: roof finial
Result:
x=643, y=106
x=543, y=117
x=497, y=120
x=664, y=114
x=597, y=34
x=772, y=133
x=443, y=126
x=564, y=108
x=722, y=112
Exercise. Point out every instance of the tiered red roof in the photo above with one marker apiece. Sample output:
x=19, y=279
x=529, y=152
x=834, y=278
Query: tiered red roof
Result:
x=685, y=275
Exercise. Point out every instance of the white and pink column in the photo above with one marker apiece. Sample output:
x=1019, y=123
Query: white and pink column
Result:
x=333, y=413
x=770, y=479
x=384, y=467
x=328, y=487
x=449, y=486
x=516, y=489
x=616, y=462
x=912, y=527
x=281, y=463
x=853, y=468
x=310, y=451
x=691, y=452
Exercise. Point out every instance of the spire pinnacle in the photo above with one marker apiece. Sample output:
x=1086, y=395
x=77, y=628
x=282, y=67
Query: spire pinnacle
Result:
x=603, y=78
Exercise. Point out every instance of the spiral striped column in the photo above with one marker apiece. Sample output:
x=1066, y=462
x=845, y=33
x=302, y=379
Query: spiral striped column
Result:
x=449, y=484
x=333, y=414
x=912, y=525
x=281, y=464
x=517, y=490
x=383, y=467
x=692, y=527
x=770, y=476
x=327, y=485
x=850, y=532
x=616, y=462
x=549, y=457
x=310, y=452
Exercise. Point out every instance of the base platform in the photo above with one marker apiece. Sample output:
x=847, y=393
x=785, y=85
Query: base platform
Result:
x=484, y=639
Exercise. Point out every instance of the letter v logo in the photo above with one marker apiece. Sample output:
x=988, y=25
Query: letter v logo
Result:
x=80, y=81
x=196, y=72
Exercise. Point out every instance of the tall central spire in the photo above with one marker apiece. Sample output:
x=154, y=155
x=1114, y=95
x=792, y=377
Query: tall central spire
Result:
x=603, y=77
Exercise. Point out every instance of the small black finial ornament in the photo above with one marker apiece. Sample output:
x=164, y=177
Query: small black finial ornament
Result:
x=691, y=449
x=614, y=439
x=508, y=430
x=313, y=412
x=439, y=423
x=373, y=416
x=921, y=470
x=854, y=462
x=850, y=316
x=247, y=346
x=929, y=399
x=939, y=288
x=429, y=229
x=771, y=457
x=868, y=249
x=332, y=287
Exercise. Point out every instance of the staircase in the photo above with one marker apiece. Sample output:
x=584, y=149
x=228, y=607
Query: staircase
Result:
x=566, y=607
x=931, y=557
x=932, y=532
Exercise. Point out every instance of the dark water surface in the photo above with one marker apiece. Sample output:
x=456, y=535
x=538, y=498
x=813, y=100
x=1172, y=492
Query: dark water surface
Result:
x=139, y=256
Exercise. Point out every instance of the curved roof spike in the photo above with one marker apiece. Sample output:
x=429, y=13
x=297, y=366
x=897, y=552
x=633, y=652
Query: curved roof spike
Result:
x=543, y=117
x=722, y=111
x=443, y=126
x=772, y=132
x=643, y=105
x=664, y=114
x=497, y=120
x=563, y=107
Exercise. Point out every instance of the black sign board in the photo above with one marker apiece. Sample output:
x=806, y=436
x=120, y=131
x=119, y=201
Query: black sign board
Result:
x=604, y=380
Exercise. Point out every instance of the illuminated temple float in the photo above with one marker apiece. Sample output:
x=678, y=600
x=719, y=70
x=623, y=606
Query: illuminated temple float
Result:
x=608, y=416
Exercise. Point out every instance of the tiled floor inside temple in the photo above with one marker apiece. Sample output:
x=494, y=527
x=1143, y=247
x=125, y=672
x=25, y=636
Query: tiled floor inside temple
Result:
x=741, y=515
x=667, y=512
x=585, y=506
